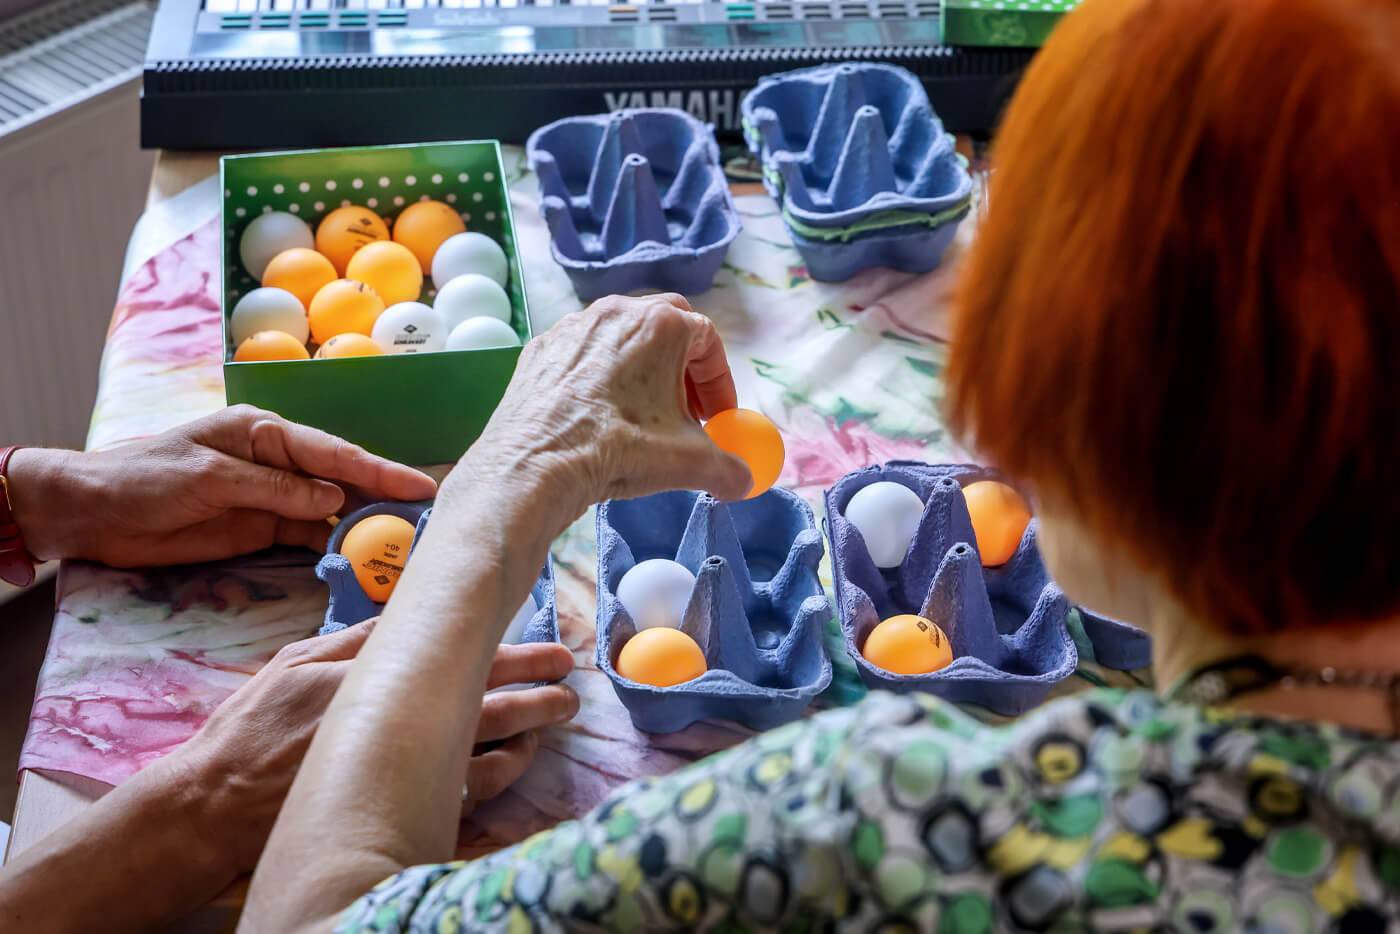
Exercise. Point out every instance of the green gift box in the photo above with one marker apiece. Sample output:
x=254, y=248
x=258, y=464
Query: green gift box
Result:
x=419, y=408
x=1003, y=23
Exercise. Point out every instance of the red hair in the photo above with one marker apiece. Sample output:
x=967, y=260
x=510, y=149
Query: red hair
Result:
x=1181, y=316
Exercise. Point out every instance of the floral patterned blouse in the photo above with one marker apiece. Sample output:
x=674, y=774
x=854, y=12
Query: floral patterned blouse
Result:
x=1107, y=811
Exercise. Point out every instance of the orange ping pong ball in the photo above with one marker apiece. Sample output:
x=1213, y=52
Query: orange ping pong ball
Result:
x=422, y=227
x=377, y=549
x=661, y=656
x=341, y=307
x=390, y=269
x=270, y=345
x=908, y=645
x=300, y=271
x=999, y=519
x=349, y=344
x=345, y=230
x=753, y=438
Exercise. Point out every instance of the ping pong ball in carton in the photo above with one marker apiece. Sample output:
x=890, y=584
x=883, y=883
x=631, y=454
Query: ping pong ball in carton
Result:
x=655, y=593
x=301, y=271
x=887, y=515
x=377, y=549
x=999, y=519
x=268, y=309
x=265, y=346
x=344, y=231
x=344, y=306
x=482, y=333
x=425, y=226
x=469, y=253
x=268, y=235
x=753, y=438
x=471, y=296
x=516, y=628
x=409, y=327
x=661, y=657
x=348, y=345
x=908, y=645
x=390, y=269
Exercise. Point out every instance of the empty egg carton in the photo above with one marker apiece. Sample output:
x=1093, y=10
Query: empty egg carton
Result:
x=861, y=165
x=757, y=610
x=1007, y=625
x=349, y=604
x=634, y=199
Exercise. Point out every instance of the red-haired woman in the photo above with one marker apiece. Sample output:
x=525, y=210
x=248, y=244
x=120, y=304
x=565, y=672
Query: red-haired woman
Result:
x=1179, y=329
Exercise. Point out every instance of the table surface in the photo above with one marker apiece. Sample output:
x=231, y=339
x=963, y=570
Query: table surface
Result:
x=853, y=422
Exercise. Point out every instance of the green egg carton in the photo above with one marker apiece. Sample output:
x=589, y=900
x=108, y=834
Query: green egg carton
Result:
x=1001, y=23
x=420, y=408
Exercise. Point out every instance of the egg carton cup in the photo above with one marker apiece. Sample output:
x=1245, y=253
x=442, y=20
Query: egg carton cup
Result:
x=757, y=610
x=634, y=199
x=349, y=604
x=1007, y=625
x=908, y=248
x=863, y=169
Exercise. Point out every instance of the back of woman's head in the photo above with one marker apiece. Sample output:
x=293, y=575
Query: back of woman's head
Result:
x=1181, y=317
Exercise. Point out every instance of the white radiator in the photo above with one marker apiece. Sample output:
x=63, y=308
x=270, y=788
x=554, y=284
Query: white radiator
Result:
x=73, y=181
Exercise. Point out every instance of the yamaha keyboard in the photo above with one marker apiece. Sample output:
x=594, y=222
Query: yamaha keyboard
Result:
x=244, y=74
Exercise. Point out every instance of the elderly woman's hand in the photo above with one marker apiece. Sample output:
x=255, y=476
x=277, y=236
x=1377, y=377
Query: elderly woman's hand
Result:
x=605, y=405
x=234, y=482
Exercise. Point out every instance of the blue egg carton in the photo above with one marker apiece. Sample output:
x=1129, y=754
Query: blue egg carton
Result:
x=635, y=199
x=863, y=169
x=757, y=610
x=349, y=604
x=1007, y=625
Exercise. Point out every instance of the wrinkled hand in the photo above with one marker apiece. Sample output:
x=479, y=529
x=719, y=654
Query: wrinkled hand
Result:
x=606, y=405
x=232, y=483
x=249, y=750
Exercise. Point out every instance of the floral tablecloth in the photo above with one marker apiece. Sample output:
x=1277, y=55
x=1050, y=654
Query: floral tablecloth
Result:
x=138, y=659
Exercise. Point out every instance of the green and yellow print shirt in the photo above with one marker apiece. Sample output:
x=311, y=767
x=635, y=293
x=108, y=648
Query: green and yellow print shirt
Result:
x=1107, y=811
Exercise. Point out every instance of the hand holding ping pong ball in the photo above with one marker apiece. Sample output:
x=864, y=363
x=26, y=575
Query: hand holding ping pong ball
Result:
x=424, y=226
x=344, y=231
x=349, y=344
x=887, y=515
x=390, y=269
x=753, y=438
x=268, y=235
x=661, y=657
x=344, y=306
x=656, y=592
x=268, y=309
x=266, y=346
x=467, y=253
x=301, y=271
x=409, y=327
x=999, y=519
x=377, y=549
x=908, y=645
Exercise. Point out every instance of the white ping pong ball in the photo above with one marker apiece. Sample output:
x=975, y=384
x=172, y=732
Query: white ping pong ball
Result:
x=471, y=296
x=887, y=515
x=656, y=593
x=409, y=327
x=268, y=309
x=269, y=234
x=466, y=253
x=522, y=618
x=482, y=334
